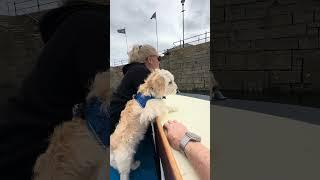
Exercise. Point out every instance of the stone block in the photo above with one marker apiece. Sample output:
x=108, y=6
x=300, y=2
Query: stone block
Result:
x=218, y=14
x=251, y=34
x=269, y=60
x=287, y=1
x=197, y=80
x=231, y=2
x=236, y=62
x=218, y=3
x=239, y=80
x=234, y=13
x=313, y=29
x=302, y=17
x=220, y=44
x=281, y=77
x=287, y=31
x=222, y=27
x=314, y=79
x=218, y=59
x=317, y=15
x=277, y=20
x=199, y=86
x=239, y=45
x=282, y=9
x=276, y=44
x=257, y=10
x=310, y=42
x=247, y=24
x=222, y=35
x=205, y=68
x=187, y=87
x=309, y=59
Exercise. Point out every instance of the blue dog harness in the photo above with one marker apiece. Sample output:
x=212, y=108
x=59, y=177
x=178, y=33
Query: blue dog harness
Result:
x=97, y=119
x=142, y=99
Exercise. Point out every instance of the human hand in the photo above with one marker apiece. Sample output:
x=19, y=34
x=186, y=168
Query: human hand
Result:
x=174, y=132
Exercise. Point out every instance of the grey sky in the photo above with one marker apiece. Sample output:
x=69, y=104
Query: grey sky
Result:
x=135, y=16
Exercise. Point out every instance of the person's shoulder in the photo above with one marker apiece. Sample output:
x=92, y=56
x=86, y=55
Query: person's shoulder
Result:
x=139, y=69
x=134, y=68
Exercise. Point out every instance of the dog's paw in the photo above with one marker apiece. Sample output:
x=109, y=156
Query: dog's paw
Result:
x=113, y=164
x=172, y=109
x=135, y=165
x=147, y=117
x=124, y=176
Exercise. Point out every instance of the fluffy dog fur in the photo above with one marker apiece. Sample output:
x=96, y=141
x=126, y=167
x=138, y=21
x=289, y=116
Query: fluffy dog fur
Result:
x=134, y=121
x=73, y=153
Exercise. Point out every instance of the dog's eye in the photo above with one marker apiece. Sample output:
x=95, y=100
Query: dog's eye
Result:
x=170, y=82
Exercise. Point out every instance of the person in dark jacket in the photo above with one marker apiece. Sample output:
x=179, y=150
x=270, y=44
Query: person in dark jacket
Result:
x=76, y=38
x=142, y=60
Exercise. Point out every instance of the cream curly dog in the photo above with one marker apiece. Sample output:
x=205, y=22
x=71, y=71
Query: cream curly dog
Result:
x=74, y=153
x=136, y=117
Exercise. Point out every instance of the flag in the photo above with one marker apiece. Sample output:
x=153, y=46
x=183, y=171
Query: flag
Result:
x=123, y=31
x=154, y=15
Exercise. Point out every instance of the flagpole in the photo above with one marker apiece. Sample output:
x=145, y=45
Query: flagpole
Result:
x=182, y=1
x=157, y=33
x=126, y=40
x=154, y=15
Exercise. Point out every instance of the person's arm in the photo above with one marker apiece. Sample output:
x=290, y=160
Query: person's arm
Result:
x=199, y=157
x=197, y=154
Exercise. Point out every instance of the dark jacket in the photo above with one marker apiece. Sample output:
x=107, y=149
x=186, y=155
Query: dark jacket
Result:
x=134, y=75
x=76, y=48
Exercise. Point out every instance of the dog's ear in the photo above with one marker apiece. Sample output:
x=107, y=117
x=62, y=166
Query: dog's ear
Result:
x=144, y=87
x=147, y=85
x=158, y=84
